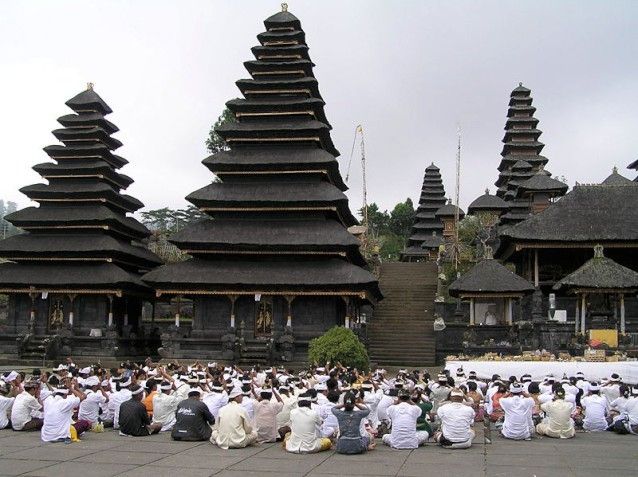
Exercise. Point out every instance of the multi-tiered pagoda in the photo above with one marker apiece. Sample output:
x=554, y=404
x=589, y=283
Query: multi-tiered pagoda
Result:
x=427, y=230
x=276, y=255
x=521, y=160
x=78, y=264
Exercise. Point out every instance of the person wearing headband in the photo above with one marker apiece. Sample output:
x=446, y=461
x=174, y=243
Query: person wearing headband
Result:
x=304, y=422
x=193, y=419
x=116, y=399
x=166, y=400
x=26, y=413
x=557, y=422
x=95, y=398
x=596, y=409
x=266, y=412
x=518, y=407
x=133, y=418
x=403, y=415
x=457, y=420
x=234, y=429
x=58, y=414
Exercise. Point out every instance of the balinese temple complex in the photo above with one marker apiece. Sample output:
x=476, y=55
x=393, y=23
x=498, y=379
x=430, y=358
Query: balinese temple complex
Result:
x=275, y=265
x=75, y=272
x=427, y=231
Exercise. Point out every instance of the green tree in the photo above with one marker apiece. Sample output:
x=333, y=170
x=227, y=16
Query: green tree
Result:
x=377, y=220
x=402, y=218
x=215, y=142
x=338, y=344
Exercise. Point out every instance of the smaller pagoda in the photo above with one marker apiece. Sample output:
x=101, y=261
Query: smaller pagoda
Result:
x=427, y=230
x=521, y=161
x=615, y=179
x=76, y=268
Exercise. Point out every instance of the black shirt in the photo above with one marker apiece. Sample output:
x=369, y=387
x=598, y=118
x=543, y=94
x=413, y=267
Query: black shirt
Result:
x=134, y=418
x=192, y=421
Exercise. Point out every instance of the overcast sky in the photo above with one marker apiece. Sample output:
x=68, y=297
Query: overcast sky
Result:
x=408, y=71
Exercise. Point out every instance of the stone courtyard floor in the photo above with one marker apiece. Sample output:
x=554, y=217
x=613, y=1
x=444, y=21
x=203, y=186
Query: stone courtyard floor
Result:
x=109, y=454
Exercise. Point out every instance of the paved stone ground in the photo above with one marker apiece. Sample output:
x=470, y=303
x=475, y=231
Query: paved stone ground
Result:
x=108, y=454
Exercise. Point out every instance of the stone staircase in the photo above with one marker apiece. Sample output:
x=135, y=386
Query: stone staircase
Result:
x=255, y=352
x=401, y=332
x=35, y=349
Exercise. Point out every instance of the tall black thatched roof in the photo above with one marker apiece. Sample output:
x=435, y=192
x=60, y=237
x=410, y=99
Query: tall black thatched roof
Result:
x=80, y=235
x=425, y=221
x=521, y=161
x=489, y=277
x=279, y=215
x=600, y=274
x=588, y=213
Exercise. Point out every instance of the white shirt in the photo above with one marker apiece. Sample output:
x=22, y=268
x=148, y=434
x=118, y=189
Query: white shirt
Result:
x=233, y=426
x=283, y=418
x=619, y=403
x=403, y=434
x=215, y=401
x=90, y=407
x=595, y=407
x=249, y=406
x=382, y=409
x=518, y=416
x=303, y=436
x=371, y=399
x=25, y=408
x=631, y=408
x=115, y=401
x=456, y=420
x=330, y=423
x=164, y=407
x=5, y=407
x=58, y=412
x=611, y=392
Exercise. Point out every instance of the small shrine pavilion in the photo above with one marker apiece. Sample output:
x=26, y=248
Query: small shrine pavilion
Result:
x=76, y=269
x=427, y=231
x=276, y=261
x=606, y=281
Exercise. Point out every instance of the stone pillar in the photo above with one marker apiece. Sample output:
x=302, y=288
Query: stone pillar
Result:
x=289, y=299
x=233, y=299
x=472, y=317
x=177, y=310
x=583, y=312
x=576, y=317
x=622, y=313
x=71, y=314
x=509, y=311
x=110, y=321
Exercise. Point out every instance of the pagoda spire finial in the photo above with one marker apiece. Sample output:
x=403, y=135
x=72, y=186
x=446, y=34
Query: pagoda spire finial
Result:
x=89, y=86
x=615, y=170
x=487, y=191
x=284, y=7
x=520, y=83
x=598, y=251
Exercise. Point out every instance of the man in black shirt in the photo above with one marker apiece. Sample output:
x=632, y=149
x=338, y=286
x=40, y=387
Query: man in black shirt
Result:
x=193, y=419
x=134, y=419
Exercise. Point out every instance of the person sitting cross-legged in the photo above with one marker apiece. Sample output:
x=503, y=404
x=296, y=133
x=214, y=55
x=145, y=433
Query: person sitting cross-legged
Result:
x=133, y=417
x=193, y=419
x=457, y=420
x=403, y=415
x=233, y=428
x=304, y=423
x=558, y=421
x=350, y=439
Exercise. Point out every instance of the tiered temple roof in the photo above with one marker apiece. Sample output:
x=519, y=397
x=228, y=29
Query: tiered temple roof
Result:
x=521, y=160
x=80, y=238
x=427, y=230
x=280, y=216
